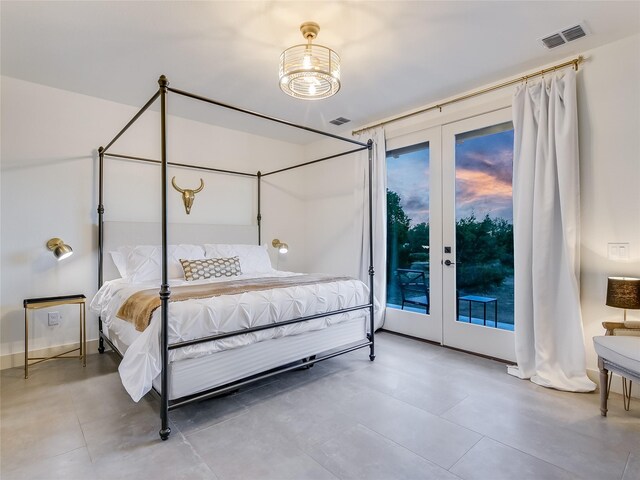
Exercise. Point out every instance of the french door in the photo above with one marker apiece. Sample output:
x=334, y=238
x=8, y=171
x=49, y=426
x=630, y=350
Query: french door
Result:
x=414, y=235
x=477, y=275
x=450, y=226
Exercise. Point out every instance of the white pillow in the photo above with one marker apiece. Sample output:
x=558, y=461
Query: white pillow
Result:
x=120, y=262
x=253, y=258
x=144, y=262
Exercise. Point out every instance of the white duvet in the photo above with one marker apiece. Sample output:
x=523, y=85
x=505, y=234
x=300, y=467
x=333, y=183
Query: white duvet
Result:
x=192, y=319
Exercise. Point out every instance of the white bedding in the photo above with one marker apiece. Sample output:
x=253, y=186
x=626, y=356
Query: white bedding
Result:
x=192, y=319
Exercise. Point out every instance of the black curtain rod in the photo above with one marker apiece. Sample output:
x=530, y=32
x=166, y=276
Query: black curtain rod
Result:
x=266, y=117
x=185, y=165
x=137, y=115
x=316, y=161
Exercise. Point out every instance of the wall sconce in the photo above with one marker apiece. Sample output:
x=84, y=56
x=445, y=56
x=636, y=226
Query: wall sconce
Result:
x=623, y=292
x=281, y=246
x=59, y=248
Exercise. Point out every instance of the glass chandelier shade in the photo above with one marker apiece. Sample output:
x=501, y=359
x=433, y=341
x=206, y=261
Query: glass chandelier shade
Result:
x=308, y=71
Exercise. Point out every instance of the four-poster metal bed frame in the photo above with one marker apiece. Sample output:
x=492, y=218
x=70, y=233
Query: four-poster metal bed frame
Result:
x=165, y=404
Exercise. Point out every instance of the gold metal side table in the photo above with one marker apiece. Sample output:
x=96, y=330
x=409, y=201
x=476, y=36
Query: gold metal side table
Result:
x=37, y=303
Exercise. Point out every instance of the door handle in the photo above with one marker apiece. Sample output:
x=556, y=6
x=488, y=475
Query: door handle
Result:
x=448, y=263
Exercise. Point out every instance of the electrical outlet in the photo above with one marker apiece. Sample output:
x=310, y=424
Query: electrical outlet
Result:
x=53, y=318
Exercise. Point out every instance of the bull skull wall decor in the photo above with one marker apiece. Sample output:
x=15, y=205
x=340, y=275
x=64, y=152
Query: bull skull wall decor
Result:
x=187, y=195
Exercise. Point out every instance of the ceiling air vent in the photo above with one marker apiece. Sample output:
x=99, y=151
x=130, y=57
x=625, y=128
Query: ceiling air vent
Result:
x=564, y=36
x=573, y=33
x=339, y=121
x=553, y=41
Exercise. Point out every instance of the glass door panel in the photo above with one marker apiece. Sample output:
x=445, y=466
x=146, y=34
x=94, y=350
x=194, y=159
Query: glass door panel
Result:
x=484, y=226
x=478, y=235
x=408, y=228
x=412, y=299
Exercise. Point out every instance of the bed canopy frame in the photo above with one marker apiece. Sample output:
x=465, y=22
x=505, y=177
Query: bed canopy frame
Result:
x=104, y=152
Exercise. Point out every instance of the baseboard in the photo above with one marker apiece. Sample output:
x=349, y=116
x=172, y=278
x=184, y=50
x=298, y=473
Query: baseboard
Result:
x=17, y=359
x=616, y=383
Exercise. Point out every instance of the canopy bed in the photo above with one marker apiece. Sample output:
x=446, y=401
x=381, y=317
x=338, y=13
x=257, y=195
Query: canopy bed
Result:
x=186, y=343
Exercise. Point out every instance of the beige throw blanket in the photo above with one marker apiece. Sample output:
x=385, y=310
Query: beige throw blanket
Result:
x=139, y=307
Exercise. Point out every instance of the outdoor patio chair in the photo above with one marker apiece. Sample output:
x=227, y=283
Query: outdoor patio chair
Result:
x=413, y=287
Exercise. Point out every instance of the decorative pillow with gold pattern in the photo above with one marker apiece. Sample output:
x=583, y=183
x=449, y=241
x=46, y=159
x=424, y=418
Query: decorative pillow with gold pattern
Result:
x=211, y=267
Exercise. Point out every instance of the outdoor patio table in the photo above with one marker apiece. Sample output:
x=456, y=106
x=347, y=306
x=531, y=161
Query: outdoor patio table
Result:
x=484, y=301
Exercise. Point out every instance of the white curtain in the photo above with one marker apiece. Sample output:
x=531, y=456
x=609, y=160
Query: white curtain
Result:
x=379, y=191
x=549, y=337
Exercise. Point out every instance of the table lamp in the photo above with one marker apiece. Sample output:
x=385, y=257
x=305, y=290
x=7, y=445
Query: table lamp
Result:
x=623, y=292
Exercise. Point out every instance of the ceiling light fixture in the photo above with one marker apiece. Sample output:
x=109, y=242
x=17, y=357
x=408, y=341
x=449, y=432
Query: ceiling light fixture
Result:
x=310, y=72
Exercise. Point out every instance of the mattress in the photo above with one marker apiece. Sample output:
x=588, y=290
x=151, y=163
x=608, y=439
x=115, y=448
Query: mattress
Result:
x=191, y=319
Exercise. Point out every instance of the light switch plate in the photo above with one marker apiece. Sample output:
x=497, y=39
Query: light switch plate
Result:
x=618, y=251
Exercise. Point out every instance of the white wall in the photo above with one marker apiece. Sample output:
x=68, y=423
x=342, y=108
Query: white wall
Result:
x=332, y=209
x=49, y=188
x=609, y=115
x=283, y=214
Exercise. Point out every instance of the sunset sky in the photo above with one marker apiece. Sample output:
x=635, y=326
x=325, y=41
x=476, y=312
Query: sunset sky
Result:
x=408, y=176
x=483, y=178
x=484, y=171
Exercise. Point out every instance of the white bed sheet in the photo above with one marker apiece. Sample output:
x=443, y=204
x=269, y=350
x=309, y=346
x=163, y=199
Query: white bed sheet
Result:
x=198, y=318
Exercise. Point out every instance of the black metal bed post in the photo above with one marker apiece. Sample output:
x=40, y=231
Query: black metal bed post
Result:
x=165, y=293
x=372, y=353
x=259, y=217
x=102, y=151
x=100, y=239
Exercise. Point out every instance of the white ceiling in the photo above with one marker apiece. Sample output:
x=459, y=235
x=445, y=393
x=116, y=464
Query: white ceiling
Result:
x=396, y=55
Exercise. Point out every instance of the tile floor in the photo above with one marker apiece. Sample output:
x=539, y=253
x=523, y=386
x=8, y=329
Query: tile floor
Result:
x=418, y=411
